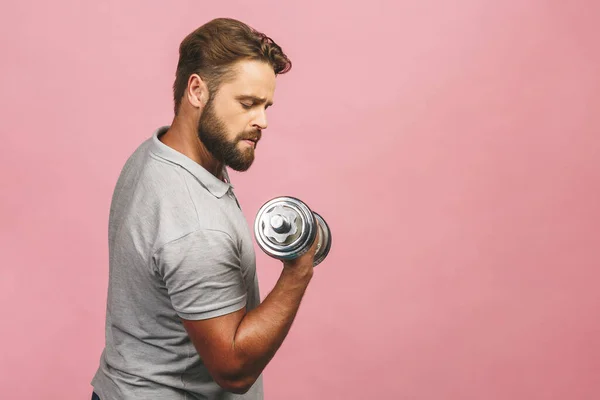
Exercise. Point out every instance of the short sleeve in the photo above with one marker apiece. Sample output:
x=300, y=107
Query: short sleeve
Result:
x=202, y=273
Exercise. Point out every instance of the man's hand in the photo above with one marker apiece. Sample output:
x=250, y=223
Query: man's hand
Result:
x=303, y=265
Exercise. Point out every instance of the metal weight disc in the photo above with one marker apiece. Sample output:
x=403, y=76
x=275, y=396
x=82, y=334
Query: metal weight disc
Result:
x=285, y=228
x=324, y=241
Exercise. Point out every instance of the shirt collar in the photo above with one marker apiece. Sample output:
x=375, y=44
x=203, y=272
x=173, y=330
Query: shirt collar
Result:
x=214, y=185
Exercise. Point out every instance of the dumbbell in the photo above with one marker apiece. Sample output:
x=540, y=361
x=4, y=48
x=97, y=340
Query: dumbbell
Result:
x=285, y=228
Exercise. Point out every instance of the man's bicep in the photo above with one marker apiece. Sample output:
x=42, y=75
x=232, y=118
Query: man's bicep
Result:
x=213, y=339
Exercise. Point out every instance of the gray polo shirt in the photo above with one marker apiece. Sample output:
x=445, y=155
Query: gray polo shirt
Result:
x=179, y=247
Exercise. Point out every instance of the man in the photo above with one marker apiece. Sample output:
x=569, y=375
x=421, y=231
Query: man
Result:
x=184, y=318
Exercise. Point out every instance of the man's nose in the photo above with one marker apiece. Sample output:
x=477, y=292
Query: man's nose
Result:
x=261, y=120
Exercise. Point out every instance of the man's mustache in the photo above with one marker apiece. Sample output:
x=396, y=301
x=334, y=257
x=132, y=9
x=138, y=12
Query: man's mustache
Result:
x=254, y=136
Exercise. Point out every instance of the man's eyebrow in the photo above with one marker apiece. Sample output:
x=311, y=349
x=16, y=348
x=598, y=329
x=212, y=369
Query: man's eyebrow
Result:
x=254, y=99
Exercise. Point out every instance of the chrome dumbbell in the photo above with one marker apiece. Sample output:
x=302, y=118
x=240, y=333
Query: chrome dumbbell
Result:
x=285, y=228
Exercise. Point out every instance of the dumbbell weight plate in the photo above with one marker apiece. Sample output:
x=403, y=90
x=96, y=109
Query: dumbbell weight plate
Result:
x=324, y=240
x=285, y=227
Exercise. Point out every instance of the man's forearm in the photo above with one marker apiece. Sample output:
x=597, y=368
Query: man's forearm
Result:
x=262, y=331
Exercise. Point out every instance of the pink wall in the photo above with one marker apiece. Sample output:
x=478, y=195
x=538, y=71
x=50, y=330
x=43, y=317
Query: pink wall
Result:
x=453, y=147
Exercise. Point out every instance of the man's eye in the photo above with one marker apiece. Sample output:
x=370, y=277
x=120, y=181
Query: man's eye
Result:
x=246, y=106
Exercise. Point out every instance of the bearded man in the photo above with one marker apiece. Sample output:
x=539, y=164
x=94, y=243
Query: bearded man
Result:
x=184, y=318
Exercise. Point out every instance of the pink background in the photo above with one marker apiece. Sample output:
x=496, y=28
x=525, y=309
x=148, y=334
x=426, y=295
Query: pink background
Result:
x=452, y=146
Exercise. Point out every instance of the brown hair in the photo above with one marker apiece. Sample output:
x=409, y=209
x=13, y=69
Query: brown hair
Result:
x=211, y=49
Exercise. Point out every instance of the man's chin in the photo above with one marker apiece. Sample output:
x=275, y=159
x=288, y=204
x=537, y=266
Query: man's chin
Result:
x=241, y=166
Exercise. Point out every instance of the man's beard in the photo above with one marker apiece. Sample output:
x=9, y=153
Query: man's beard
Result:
x=213, y=134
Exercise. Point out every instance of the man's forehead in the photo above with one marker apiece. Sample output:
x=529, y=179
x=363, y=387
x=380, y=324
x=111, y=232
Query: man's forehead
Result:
x=253, y=78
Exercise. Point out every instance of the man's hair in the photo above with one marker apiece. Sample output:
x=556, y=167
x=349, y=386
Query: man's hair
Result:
x=212, y=49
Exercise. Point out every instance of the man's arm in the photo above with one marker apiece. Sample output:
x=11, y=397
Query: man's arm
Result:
x=238, y=346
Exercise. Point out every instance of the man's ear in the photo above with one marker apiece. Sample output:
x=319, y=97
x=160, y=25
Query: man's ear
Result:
x=197, y=91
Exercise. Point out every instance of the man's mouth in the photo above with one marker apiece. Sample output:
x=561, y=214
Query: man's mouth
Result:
x=251, y=142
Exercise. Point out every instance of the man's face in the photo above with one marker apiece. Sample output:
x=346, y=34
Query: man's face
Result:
x=232, y=120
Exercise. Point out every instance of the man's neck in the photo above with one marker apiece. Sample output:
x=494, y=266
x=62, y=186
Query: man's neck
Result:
x=183, y=137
